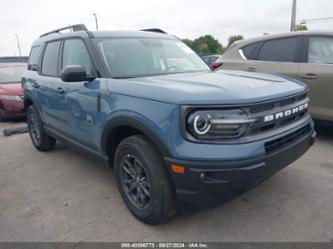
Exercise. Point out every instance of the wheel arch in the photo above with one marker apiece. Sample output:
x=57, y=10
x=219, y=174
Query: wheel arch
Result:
x=27, y=102
x=121, y=127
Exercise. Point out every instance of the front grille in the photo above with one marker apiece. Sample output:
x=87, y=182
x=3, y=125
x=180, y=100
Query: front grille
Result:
x=279, y=143
x=261, y=110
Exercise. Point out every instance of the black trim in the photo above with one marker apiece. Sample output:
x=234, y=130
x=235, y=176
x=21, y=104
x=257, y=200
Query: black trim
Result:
x=211, y=183
x=155, y=30
x=57, y=135
x=73, y=28
x=99, y=102
x=186, y=110
x=133, y=123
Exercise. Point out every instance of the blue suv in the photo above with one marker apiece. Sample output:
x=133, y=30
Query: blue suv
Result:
x=178, y=134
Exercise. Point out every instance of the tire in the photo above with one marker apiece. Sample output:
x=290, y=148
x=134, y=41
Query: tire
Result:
x=40, y=139
x=147, y=165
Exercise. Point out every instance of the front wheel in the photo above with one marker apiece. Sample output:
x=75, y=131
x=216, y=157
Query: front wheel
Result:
x=40, y=139
x=143, y=181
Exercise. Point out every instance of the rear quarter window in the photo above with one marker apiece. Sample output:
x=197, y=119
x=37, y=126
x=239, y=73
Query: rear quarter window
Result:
x=34, y=57
x=249, y=50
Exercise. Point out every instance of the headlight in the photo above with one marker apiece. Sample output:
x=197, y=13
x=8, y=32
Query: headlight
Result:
x=218, y=124
x=8, y=97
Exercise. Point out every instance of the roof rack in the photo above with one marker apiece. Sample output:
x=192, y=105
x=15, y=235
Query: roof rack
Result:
x=72, y=28
x=156, y=30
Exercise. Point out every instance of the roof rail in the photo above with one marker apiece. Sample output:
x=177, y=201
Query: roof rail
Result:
x=72, y=28
x=156, y=30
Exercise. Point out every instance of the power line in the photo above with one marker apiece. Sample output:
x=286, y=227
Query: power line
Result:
x=316, y=19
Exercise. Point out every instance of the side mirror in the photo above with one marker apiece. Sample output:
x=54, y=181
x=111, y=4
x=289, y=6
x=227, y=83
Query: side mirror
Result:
x=33, y=67
x=73, y=73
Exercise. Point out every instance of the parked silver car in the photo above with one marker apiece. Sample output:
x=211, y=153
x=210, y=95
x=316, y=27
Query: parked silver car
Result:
x=307, y=56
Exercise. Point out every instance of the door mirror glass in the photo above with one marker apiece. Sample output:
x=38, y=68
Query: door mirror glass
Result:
x=73, y=73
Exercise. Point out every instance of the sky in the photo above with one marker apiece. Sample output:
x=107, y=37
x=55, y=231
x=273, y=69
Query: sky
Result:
x=183, y=18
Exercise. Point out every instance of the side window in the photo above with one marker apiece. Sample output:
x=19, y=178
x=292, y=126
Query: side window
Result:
x=283, y=50
x=320, y=50
x=249, y=50
x=50, y=59
x=75, y=53
x=34, y=57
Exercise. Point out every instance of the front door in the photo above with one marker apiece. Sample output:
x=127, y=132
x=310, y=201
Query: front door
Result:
x=79, y=98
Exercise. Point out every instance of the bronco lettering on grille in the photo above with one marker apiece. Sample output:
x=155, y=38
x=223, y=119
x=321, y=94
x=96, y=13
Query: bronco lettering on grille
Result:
x=286, y=113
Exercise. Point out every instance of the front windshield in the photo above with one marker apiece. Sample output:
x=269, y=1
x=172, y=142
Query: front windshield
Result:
x=11, y=74
x=136, y=57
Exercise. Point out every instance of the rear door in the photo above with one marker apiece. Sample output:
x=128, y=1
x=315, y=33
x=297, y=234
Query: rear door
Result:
x=48, y=73
x=317, y=71
x=279, y=55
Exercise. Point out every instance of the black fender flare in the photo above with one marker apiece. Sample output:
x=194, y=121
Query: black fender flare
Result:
x=135, y=123
x=27, y=99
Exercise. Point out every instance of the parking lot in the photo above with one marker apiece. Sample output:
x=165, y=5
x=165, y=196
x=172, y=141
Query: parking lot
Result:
x=65, y=196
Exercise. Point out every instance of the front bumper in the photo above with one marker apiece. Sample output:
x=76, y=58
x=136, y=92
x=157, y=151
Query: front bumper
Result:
x=207, y=184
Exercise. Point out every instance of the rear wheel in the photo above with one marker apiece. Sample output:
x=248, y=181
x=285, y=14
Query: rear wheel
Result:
x=40, y=139
x=143, y=181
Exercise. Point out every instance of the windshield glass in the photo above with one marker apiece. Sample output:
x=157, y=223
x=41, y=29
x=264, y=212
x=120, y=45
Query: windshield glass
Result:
x=135, y=57
x=11, y=74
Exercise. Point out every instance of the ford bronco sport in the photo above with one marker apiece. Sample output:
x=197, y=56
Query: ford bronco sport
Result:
x=177, y=134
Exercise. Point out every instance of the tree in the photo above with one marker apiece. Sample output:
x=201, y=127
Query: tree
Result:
x=234, y=38
x=301, y=27
x=188, y=42
x=207, y=44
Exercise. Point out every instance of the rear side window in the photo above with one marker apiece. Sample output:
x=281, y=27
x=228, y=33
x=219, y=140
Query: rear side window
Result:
x=320, y=50
x=50, y=59
x=75, y=53
x=249, y=51
x=34, y=57
x=283, y=50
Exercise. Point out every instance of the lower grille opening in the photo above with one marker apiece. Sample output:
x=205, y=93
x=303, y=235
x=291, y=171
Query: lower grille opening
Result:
x=279, y=143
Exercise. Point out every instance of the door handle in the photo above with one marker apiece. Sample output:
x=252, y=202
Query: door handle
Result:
x=251, y=69
x=35, y=84
x=309, y=76
x=60, y=90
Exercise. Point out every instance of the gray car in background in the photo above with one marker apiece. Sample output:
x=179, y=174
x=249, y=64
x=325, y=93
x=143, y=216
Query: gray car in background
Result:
x=307, y=56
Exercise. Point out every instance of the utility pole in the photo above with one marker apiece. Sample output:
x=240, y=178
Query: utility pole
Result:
x=96, y=20
x=293, y=16
x=18, y=45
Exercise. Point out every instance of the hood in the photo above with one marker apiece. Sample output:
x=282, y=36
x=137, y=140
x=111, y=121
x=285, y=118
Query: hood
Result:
x=12, y=89
x=218, y=87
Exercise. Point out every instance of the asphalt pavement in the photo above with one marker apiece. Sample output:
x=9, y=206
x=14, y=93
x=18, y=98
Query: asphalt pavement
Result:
x=64, y=195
